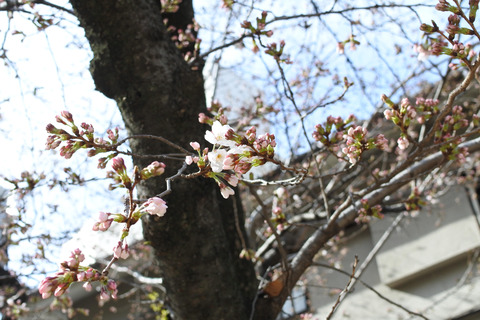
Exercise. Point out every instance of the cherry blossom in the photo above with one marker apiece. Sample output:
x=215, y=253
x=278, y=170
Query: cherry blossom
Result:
x=153, y=170
x=120, y=251
x=216, y=158
x=195, y=145
x=225, y=190
x=217, y=135
x=103, y=223
x=156, y=206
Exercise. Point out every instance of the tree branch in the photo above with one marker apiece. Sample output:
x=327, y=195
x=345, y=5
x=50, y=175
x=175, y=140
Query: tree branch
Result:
x=308, y=251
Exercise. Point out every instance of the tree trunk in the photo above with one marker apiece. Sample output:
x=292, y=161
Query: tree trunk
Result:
x=196, y=243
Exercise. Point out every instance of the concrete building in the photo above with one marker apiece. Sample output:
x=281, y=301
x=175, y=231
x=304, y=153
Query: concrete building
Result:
x=426, y=264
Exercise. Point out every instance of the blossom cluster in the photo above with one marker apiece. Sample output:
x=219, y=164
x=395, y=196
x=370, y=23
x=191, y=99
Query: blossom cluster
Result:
x=277, y=52
x=71, y=271
x=218, y=110
x=78, y=138
x=123, y=180
x=454, y=48
x=353, y=44
x=232, y=154
x=271, y=49
x=260, y=28
x=342, y=135
x=366, y=211
x=425, y=109
x=402, y=115
x=431, y=47
x=452, y=123
x=154, y=206
x=414, y=201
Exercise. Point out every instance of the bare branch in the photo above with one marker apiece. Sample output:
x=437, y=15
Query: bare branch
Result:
x=306, y=254
x=369, y=287
x=345, y=291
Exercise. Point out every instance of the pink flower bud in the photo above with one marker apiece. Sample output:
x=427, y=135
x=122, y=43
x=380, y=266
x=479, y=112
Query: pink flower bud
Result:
x=340, y=47
x=67, y=115
x=89, y=273
x=156, y=168
x=120, y=252
x=156, y=206
x=388, y=114
x=111, y=285
x=60, y=120
x=225, y=190
x=118, y=165
x=195, y=146
x=60, y=289
x=223, y=119
x=202, y=118
x=231, y=179
x=102, y=216
x=47, y=286
x=91, y=153
x=104, y=295
x=51, y=128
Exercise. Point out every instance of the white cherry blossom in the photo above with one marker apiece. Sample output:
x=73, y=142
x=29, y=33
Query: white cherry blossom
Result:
x=217, y=135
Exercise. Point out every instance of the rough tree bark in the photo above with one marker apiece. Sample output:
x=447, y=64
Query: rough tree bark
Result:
x=196, y=243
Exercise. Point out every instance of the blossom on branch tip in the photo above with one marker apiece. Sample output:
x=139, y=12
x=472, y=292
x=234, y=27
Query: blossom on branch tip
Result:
x=47, y=287
x=231, y=179
x=70, y=271
x=154, y=169
x=109, y=290
x=195, y=145
x=113, y=135
x=388, y=114
x=225, y=190
x=202, y=118
x=67, y=115
x=123, y=180
x=118, y=165
x=155, y=206
x=103, y=223
x=120, y=251
x=265, y=144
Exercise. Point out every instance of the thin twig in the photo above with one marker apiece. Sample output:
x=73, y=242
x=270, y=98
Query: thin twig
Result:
x=53, y=5
x=152, y=137
x=264, y=212
x=383, y=239
x=237, y=225
x=373, y=290
x=345, y=291
x=170, y=179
